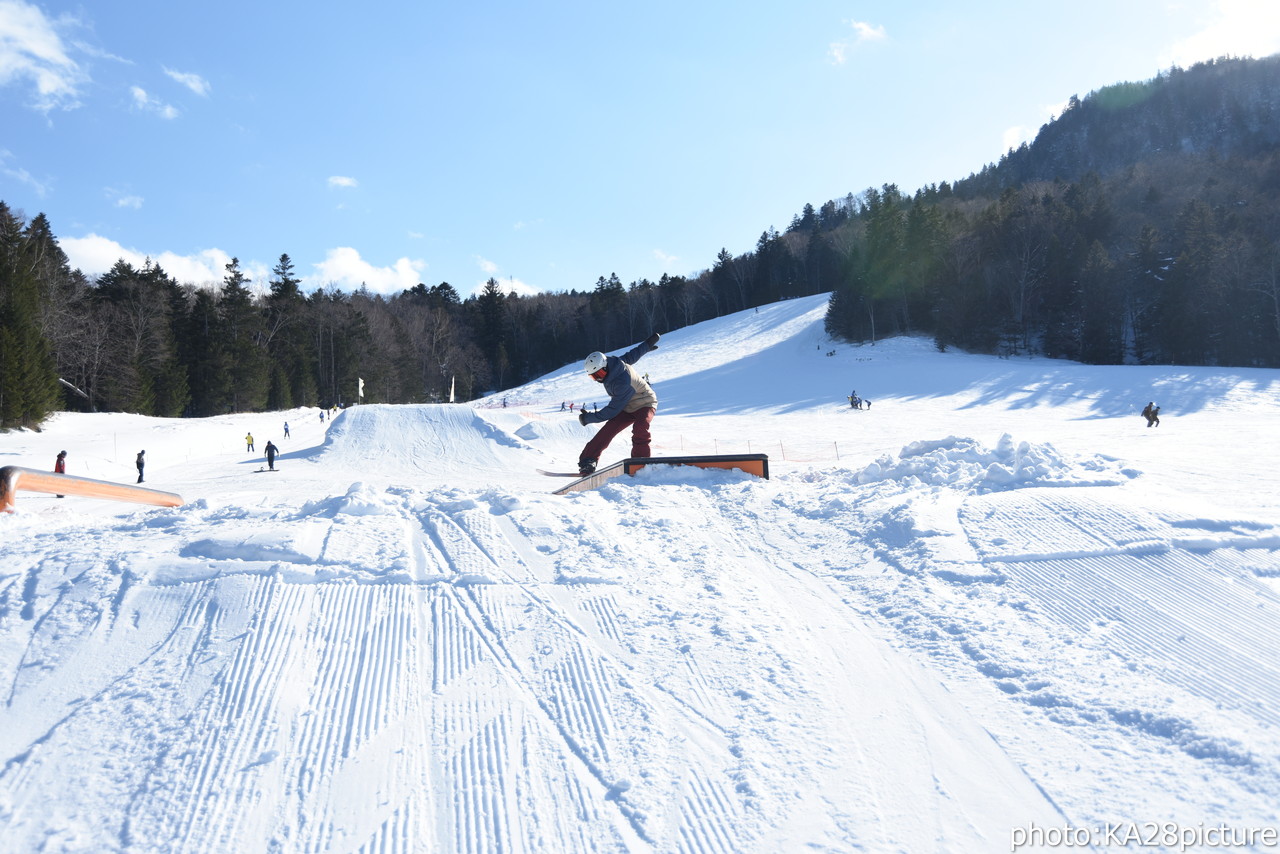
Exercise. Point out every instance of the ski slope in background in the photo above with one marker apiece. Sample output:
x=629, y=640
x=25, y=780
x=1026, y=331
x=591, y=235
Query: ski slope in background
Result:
x=994, y=601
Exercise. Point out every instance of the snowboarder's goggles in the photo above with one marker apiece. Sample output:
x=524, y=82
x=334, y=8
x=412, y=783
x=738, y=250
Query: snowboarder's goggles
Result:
x=599, y=375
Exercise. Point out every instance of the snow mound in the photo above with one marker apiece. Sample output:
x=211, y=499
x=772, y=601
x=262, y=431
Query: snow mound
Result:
x=965, y=463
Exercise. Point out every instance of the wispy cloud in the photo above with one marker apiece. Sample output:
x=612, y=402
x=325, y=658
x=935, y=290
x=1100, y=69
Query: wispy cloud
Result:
x=32, y=53
x=1231, y=28
x=486, y=266
x=194, y=82
x=667, y=261
x=20, y=175
x=144, y=102
x=342, y=181
x=862, y=33
x=124, y=200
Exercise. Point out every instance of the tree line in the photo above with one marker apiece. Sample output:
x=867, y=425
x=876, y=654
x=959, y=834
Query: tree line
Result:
x=1163, y=248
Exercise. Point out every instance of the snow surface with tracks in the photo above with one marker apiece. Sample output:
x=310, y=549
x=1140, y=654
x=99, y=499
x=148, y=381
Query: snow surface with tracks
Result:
x=993, y=601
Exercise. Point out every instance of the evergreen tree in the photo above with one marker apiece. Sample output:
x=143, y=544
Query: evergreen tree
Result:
x=28, y=378
x=246, y=342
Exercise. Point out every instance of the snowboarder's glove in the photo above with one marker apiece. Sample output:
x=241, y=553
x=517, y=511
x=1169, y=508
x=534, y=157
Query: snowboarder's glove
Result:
x=652, y=341
x=582, y=418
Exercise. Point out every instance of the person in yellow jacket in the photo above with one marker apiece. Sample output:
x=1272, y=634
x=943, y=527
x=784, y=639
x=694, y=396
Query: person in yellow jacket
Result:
x=248, y=440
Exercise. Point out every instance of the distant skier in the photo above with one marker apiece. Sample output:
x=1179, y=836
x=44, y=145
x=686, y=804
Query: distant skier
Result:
x=632, y=403
x=286, y=429
x=248, y=441
x=141, y=461
x=272, y=450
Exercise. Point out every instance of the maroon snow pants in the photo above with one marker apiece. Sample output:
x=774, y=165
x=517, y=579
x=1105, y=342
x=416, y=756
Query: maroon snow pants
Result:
x=639, y=423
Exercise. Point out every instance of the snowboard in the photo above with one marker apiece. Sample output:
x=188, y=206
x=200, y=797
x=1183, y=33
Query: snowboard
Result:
x=560, y=473
x=259, y=471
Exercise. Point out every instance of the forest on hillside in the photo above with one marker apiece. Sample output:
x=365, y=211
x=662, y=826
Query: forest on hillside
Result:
x=1141, y=226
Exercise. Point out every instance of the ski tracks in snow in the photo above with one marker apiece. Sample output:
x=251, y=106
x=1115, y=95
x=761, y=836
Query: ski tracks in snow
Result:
x=653, y=666
x=1071, y=604
x=382, y=671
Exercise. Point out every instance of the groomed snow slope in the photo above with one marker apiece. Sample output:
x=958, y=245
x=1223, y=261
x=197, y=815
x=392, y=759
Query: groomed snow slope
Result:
x=993, y=601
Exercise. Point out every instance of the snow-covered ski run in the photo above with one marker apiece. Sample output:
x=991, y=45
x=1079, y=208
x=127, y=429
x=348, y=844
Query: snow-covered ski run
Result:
x=995, y=601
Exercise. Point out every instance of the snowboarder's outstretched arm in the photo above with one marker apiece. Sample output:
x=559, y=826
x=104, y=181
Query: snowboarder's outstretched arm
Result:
x=633, y=355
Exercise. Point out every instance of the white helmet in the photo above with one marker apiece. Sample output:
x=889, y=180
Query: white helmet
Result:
x=596, y=361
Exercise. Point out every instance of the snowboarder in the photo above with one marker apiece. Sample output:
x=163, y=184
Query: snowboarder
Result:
x=248, y=440
x=286, y=429
x=1152, y=414
x=141, y=461
x=632, y=402
x=271, y=455
x=60, y=465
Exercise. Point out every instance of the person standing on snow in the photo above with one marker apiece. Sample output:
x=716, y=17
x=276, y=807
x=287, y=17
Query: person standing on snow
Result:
x=141, y=462
x=632, y=403
x=60, y=465
x=248, y=440
x=271, y=455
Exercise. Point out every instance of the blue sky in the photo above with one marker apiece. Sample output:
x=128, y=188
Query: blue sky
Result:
x=544, y=145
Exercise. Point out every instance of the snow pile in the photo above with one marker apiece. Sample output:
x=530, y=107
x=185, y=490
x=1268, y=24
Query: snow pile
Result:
x=964, y=463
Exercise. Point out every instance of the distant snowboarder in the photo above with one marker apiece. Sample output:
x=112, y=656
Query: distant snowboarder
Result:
x=271, y=455
x=60, y=465
x=248, y=441
x=632, y=403
x=1152, y=414
x=286, y=429
x=141, y=461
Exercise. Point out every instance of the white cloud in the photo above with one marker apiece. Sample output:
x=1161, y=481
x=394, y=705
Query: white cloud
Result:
x=134, y=202
x=94, y=255
x=32, y=51
x=194, y=82
x=1015, y=136
x=486, y=266
x=862, y=33
x=1233, y=28
x=342, y=181
x=345, y=268
x=143, y=101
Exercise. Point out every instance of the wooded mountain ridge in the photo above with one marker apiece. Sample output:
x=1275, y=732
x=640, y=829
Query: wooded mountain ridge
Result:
x=1140, y=226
